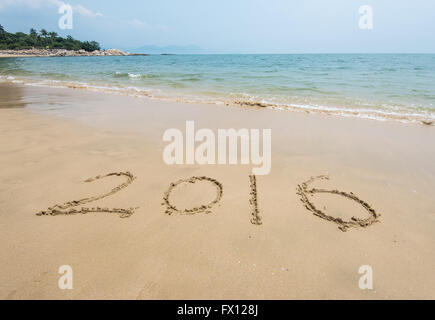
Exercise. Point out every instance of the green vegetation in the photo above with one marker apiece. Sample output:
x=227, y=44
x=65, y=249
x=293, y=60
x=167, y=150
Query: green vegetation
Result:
x=42, y=40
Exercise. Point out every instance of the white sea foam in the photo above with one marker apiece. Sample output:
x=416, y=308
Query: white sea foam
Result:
x=366, y=113
x=134, y=76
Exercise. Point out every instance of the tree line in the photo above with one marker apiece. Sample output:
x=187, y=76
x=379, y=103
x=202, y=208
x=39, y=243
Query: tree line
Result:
x=42, y=40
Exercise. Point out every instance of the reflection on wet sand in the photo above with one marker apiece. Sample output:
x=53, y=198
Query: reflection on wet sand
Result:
x=11, y=96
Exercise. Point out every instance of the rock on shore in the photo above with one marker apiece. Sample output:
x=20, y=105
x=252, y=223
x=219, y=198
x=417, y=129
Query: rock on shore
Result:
x=64, y=53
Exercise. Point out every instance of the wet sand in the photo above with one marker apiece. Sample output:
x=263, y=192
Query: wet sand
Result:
x=53, y=140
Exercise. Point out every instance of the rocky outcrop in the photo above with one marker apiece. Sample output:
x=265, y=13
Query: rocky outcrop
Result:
x=64, y=53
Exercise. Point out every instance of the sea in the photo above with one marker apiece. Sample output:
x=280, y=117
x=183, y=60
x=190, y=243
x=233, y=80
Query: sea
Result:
x=385, y=87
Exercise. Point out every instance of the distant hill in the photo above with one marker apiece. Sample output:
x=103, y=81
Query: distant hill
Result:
x=168, y=49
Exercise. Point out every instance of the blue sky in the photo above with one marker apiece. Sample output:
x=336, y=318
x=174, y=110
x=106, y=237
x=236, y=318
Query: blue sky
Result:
x=236, y=26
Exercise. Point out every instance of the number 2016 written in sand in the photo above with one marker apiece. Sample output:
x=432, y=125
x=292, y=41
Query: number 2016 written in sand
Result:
x=73, y=207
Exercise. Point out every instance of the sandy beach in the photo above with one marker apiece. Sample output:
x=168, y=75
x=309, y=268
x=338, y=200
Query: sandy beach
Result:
x=53, y=139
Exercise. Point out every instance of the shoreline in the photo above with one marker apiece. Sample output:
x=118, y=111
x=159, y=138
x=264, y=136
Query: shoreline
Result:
x=52, y=139
x=34, y=52
x=378, y=115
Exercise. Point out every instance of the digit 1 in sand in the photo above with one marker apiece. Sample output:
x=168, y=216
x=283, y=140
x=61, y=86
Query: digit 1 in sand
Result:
x=255, y=214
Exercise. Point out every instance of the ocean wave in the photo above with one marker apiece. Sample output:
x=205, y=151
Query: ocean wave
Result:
x=372, y=114
x=389, y=112
x=131, y=75
x=191, y=79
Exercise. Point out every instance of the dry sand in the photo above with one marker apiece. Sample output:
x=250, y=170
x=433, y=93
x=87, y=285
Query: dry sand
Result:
x=52, y=140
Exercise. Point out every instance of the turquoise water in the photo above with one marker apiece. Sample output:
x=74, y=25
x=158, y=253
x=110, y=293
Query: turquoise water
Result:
x=379, y=86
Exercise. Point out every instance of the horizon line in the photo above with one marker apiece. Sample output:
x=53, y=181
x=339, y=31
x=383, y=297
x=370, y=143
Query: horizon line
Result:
x=280, y=53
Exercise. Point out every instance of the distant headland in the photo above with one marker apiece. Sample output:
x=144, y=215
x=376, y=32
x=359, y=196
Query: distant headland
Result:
x=36, y=52
x=50, y=44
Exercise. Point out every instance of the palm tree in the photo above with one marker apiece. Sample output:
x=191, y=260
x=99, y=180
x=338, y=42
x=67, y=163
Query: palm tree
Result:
x=33, y=33
x=2, y=32
x=52, y=35
x=44, y=33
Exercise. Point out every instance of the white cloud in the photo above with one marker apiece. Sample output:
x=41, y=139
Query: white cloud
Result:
x=79, y=9
x=142, y=24
x=86, y=12
x=138, y=23
x=37, y=4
